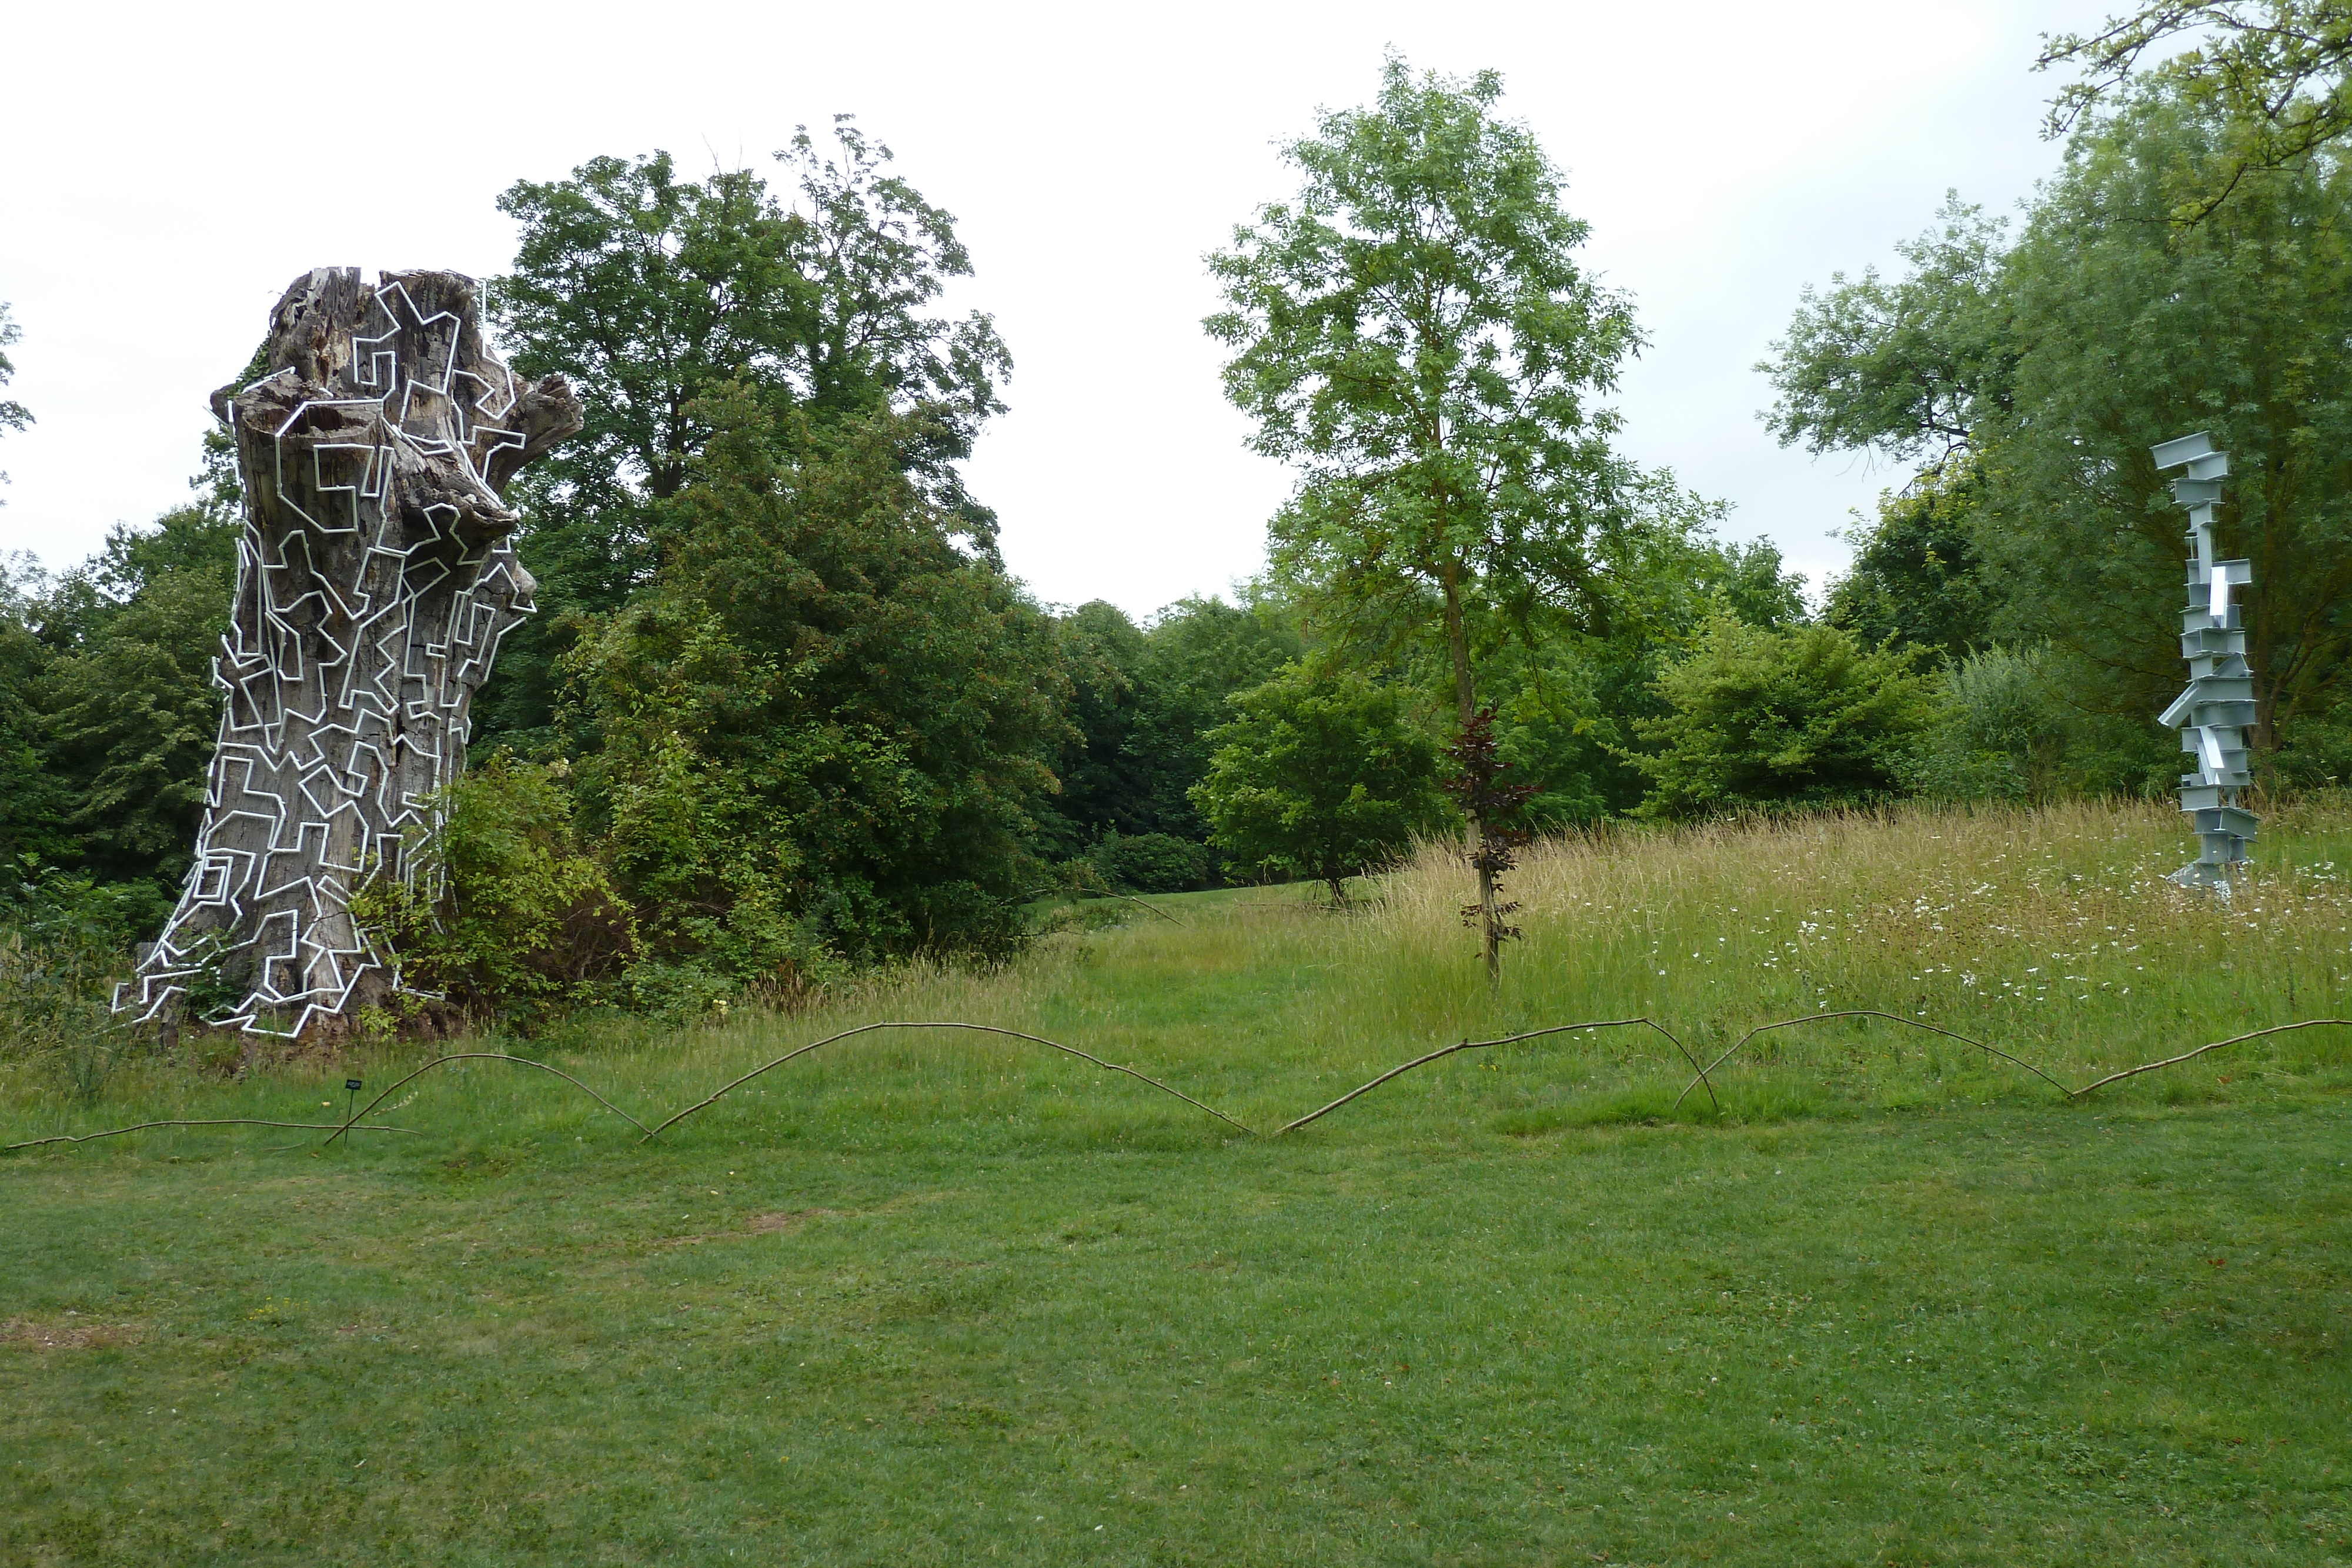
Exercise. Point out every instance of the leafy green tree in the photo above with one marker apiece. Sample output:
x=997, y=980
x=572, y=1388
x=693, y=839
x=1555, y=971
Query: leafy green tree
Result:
x=826, y=721
x=2277, y=73
x=1565, y=696
x=1806, y=717
x=1916, y=579
x=1198, y=655
x=1911, y=368
x=2125, y=327
x=34, y=801
x=1106, y=786
x=1141, y=702
x=647, y=290
x=133, y=712
x=108, y=712
x=14, y=415
x=1320, y=773
x=2141, y=328
x=1414, y=335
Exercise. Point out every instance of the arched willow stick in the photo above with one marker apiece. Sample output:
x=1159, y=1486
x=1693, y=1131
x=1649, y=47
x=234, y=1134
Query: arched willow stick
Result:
x=212, y=1122
x=1153, y=908
x=2187, y=1055
x=975, y=1028
x=1872, y=1013
x=1107, y=893
x=337, y=1130
x=1506, y=1040
x=492, y=1056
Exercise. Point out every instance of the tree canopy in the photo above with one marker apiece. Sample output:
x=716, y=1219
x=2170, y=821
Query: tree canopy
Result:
x=2105, y=326
x=2276, y=75
x=647, y=290
x=1413, y=334
x=1318, y=774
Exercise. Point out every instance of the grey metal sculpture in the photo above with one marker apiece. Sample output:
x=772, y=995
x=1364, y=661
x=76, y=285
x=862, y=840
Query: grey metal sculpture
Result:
x=2212, y=713
x=374, y=580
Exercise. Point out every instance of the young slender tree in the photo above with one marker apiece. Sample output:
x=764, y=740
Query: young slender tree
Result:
x=1413, y=333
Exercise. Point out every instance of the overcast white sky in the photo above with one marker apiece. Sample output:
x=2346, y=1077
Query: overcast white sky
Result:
x=168, y=169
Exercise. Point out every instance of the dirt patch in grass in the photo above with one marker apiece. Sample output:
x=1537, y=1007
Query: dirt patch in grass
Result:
x=762, y=1224
x=71, y=1332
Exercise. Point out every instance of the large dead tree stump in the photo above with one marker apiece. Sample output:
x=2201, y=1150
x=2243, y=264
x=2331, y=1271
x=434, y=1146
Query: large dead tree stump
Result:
x=374, y=579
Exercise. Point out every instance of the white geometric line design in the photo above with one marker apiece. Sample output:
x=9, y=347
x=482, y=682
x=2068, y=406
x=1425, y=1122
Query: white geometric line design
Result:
x=375, y=581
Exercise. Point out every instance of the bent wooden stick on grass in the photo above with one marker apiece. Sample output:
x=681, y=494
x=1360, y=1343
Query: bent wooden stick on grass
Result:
x=492, y=1056
x=1703, y=1073
x=2190, y=1055
x=1866, y=1013
x=1403, y=1068
x=205, y=1122
x=976, y=1027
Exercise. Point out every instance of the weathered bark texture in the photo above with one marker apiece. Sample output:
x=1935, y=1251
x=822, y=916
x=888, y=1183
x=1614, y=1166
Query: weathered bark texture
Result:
x=374, y=580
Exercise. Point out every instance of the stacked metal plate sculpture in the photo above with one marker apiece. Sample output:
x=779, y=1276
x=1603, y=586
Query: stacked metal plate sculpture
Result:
x=2213, y=713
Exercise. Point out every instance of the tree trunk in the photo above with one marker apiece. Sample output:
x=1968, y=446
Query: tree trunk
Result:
x=1466, y=699
x=374, y=579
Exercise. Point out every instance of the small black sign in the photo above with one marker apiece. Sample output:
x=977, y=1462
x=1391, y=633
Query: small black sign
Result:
x=352, y=1084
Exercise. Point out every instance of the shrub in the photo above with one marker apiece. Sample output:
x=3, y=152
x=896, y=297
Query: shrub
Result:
x=64, y=943
x=502, y=912
x=2003, y=732
x=1153, y=862
x=1318, y=776
x=1803, y=716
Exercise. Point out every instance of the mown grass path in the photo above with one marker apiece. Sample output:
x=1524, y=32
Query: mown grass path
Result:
x=1997, y=1334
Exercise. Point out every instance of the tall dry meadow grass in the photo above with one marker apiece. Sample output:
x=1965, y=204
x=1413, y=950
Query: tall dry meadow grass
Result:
x=2052, y=933
x=2049, y=934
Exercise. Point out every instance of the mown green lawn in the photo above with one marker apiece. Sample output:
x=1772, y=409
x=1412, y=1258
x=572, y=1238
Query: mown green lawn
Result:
x=929, y=1298
x=2004, y=1334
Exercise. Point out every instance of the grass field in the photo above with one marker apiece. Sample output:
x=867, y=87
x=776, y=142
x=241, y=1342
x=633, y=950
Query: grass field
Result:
x=929, y=1298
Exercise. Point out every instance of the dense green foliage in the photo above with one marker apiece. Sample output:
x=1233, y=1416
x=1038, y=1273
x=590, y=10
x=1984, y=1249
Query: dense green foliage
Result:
x=1150, y=863
x=108, y=712
x=822, y=710
x=513, y=916
x=1319, y=775
x=1143, y=703
x=2277, y=73
x=648, y=292
x=1801, y=717
x=2050, y=365
x=1916, y=579
x=14, y=415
